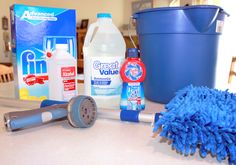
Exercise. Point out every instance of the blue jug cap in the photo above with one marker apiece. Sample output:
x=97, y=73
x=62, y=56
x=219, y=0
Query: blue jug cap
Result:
x=132, y=53
x=103, y=15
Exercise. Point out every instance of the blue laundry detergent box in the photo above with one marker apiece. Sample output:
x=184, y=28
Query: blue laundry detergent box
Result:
x=36, y=33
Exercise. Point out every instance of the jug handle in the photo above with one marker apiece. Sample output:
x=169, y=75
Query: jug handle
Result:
x=89, y=34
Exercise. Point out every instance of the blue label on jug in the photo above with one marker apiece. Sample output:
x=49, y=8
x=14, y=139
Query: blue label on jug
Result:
x=105, y=77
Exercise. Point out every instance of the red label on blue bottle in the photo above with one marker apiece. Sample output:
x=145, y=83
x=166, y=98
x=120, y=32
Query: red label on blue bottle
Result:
x=133, y=71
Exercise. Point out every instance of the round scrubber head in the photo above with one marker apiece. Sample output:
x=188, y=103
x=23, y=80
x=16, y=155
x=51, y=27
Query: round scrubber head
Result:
x=82, y=111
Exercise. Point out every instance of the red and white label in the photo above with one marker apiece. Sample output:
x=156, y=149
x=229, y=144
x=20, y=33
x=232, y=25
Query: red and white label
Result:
x=69, y=85
x=67, y=71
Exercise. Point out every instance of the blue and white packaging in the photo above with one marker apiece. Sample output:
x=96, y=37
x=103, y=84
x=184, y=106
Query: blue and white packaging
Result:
x=36, y=32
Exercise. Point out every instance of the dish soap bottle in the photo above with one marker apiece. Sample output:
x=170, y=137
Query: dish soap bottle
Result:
x=104, y=52
x=133, y=73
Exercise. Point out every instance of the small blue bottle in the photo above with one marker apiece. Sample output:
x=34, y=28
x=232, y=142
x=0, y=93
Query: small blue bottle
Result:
x=133, y=73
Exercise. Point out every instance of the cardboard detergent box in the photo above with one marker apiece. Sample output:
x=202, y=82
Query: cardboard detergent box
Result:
x=37, y=32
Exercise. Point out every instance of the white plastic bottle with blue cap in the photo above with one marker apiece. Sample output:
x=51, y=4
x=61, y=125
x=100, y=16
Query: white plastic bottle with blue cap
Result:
x=104, y=52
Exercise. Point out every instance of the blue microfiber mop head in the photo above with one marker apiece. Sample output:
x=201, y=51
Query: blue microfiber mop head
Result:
x=201, y=117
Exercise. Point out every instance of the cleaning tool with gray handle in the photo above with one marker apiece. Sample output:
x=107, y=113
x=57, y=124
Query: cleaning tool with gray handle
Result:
x=124, y=115
x=80, y=111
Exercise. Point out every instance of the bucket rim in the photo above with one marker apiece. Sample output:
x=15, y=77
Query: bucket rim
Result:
x=180, y=8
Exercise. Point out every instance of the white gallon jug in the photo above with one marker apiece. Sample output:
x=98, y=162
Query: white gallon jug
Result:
x=104, y=52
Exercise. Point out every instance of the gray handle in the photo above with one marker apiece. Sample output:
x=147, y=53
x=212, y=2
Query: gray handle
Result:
x=23, y=119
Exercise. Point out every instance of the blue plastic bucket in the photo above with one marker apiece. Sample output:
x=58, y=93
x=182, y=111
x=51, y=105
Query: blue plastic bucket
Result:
x=179, y=47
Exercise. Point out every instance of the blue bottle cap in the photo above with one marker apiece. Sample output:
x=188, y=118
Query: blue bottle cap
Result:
x=103, y=15
x=132, y=53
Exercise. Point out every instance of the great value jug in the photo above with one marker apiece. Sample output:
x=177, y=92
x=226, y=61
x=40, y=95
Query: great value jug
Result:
x=104, y=52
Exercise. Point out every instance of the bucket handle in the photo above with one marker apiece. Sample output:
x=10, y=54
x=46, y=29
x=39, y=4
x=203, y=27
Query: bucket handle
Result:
x=214, y=18
x=129, y=33
x=219, y=10
x=90, y=34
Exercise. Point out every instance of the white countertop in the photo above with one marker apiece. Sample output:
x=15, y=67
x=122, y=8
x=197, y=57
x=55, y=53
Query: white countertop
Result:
x=107, y=142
